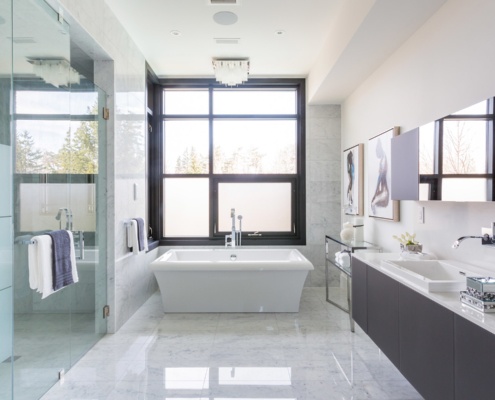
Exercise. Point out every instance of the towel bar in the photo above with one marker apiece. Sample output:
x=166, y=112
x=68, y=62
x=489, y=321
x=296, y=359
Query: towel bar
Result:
x=78, y=244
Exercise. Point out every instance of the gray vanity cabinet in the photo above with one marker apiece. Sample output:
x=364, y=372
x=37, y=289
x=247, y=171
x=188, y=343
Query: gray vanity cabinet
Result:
x=359, y=293
x=375, y=307
x=383, y=313
x=426, y=345
x=474, y=355
x=415, y=333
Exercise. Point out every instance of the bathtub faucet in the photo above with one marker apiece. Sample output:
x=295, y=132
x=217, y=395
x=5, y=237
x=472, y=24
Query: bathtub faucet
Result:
x=234, y=239
x=68, y=218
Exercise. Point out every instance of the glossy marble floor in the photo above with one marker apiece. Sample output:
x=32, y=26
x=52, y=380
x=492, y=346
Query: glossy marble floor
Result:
x=309, y=355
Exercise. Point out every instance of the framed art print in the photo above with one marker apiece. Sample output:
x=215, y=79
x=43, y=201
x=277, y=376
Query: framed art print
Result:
x=380, y=204
x=352, y=190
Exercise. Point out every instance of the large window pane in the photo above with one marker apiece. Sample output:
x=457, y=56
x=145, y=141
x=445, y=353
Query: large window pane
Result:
x=427, y=148
x=186, y=147
x=464, y=147
x=38, y=144
x=183, y=102
x=261, y=102
x=265, y=207
x=254, y=146
x=186, y=207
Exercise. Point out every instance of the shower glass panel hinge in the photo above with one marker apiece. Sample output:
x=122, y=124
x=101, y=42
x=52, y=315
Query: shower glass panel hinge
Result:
x=106, y=311
x=106, y=113
x=61, y=375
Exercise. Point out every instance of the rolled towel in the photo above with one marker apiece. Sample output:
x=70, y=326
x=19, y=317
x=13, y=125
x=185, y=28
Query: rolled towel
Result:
x=344, y=261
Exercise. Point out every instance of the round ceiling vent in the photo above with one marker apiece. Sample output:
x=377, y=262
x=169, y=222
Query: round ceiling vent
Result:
x=225, y=18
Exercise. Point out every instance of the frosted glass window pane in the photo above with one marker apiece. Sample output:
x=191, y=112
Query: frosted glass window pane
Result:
x=426, y=148
x=244, y=102
x=265, y=207
x=254, y=147
x=186, y=207
x=183, y=102
x=186, y=147
x=464, y=189
x=464, y=147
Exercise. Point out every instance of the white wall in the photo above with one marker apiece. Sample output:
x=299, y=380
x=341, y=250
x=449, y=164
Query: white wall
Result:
x=445, y=66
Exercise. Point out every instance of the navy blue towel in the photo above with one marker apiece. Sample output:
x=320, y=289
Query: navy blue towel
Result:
x=140, y=232
x=62, y=265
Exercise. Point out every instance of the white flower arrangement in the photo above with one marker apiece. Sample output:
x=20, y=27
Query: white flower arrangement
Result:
x=406, y=239
x=409, y=243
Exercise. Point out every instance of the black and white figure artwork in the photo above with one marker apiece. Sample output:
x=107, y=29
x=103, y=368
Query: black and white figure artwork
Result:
x=380, y=205
x=352, y=190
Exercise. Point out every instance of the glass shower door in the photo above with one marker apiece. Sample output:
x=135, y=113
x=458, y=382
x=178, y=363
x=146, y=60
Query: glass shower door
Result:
x=58, y=177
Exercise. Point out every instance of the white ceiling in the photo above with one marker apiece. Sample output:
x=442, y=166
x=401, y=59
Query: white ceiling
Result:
x=334, y=43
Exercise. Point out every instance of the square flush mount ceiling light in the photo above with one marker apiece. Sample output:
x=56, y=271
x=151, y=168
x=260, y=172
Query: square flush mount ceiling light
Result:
x=231, y=72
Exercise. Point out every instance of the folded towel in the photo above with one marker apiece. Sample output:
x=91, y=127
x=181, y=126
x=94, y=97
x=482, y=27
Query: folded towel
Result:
x=136, y=238
x=140, y=233
x=40, y=256
x=62, y=263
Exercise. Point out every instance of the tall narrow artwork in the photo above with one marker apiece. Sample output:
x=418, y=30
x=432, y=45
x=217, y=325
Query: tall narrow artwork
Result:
x=352, y=190
x=380, y=204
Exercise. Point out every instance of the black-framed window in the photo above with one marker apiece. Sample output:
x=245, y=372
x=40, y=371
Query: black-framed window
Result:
x=216, y=148
x=457, y=155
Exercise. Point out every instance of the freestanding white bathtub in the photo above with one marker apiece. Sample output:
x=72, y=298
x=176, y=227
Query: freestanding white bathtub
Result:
x=231, y=280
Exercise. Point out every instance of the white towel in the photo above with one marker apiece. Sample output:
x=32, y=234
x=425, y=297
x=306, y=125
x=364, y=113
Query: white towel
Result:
x=343, y=258
x=132, y=237
x=40, y=258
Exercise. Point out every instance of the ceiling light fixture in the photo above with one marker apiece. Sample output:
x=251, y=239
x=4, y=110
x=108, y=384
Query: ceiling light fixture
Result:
x=231, y=72
x=56, y=72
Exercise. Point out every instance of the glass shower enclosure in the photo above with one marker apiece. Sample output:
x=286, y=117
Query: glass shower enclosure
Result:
x=58, y=173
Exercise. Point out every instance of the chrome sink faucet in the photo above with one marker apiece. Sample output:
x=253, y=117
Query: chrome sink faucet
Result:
x=487, y=238
x=234, y=239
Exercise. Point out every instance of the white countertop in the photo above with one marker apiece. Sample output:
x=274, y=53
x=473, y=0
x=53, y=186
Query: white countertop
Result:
x=449, y=300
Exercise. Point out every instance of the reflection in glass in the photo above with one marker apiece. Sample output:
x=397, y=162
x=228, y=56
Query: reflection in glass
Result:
x=180, y=102
x=186, y=146
x=464, y=189
x=274, y=376
x=185, y=203
x=186, y=378
x=464, y=147
x=427, y=147
x=254, y=147
x=56, y=102
x=262, y=102
x=246, y=198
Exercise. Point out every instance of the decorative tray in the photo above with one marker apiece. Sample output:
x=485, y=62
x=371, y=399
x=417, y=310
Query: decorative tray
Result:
x=482, y=285
x=480, y=305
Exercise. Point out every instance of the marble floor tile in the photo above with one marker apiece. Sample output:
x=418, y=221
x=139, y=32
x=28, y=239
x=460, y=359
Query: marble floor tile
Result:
x=309, y=355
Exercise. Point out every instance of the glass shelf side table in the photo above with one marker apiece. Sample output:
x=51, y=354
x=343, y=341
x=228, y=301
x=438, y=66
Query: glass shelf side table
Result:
x=333, y=242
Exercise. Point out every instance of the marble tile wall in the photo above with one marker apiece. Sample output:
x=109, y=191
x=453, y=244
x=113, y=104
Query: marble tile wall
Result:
x=323, y=187
x=120, y=71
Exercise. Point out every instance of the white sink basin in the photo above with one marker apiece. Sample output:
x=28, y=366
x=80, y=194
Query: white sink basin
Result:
x=430, y=275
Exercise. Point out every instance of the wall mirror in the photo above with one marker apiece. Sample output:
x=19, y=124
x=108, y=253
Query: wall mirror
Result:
x=454, y=160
